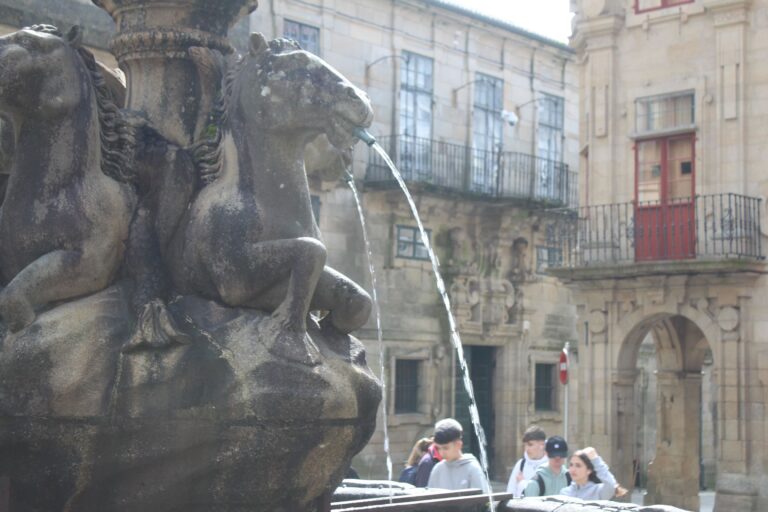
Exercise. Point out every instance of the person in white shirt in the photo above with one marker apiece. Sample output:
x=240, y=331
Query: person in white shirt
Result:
x=533, y=457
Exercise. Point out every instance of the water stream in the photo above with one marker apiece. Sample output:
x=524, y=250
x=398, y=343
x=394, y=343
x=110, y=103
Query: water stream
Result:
x=454, y=332
x=377, y=312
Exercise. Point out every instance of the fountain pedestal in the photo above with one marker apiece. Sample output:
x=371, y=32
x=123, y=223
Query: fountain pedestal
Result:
x=151, y=46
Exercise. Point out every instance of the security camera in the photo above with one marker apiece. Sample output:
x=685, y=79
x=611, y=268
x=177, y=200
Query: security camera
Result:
x=510, y=117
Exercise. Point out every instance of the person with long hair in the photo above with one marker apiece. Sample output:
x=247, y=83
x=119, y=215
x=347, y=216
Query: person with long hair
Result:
x=408, y=475
x=591, y=479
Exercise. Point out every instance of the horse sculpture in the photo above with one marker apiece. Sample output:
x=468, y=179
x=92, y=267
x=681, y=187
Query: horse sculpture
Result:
x=250, y=238
x=67, y=184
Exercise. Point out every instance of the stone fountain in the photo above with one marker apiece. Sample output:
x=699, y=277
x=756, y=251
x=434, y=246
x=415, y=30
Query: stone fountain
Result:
x=171, y=337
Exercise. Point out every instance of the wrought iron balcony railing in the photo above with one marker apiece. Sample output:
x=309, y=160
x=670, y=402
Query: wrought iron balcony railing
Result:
x=708, y=227
x=489, y=174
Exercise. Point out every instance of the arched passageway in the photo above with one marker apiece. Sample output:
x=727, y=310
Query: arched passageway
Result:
x=674, y=473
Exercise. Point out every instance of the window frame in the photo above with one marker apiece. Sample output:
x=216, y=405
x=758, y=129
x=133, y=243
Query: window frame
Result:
x=300, y=27
x=414, y=244
x=553, y=391
x=665, y=4
x=646, y=101
x=413, y=393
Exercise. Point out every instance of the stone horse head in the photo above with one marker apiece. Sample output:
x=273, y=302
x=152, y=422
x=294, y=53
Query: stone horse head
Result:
x=282, y=88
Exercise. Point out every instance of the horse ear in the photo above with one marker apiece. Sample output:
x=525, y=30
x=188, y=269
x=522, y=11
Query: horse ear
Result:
x=75, y=36
x=258, y=43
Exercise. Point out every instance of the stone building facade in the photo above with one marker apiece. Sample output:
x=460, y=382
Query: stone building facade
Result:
x=669, y=240
x=482, y=119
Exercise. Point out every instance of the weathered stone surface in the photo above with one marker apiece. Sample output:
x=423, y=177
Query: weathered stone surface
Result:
x=566, y=504
x=217, y=423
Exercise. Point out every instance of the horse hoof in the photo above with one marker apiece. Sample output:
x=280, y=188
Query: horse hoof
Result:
x=155, y=329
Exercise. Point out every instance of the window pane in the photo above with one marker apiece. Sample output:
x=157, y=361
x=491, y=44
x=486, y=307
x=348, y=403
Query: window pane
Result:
x=680, y=168
x=649, y=171
x=306, y=35
x=409, y=243
x=545, y=387
x=406, y=385
x=648, y=4
x=664, y=112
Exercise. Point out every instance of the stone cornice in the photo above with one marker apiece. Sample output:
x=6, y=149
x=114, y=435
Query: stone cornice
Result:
x=728, y=12
x=596, y=33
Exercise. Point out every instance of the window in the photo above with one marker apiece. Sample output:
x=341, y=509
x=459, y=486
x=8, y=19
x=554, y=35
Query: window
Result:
x=487, y=134
x=416, y=116
x=665, y=112
x=315, y=202
x=549, y=137
x=407, y=385
x=306, y=35
x=409, y=243
x=547, y=257
x=544, y=392
x=652, y=5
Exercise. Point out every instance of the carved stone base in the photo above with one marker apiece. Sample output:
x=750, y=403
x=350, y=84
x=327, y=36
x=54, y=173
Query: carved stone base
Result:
x=213, y=423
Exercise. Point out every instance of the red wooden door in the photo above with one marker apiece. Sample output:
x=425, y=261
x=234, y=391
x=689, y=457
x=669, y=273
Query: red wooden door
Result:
x=665, y=223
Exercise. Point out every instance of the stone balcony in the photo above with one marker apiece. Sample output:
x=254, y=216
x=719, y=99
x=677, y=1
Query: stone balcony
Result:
x=706, y=233
x=489, y=175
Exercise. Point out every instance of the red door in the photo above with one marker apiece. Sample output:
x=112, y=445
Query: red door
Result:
x=665, y=223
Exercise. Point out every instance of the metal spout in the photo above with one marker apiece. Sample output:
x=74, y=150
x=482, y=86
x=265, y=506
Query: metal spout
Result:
x=365, y=136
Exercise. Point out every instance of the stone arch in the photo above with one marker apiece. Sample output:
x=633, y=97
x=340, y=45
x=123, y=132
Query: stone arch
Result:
x=682, y=340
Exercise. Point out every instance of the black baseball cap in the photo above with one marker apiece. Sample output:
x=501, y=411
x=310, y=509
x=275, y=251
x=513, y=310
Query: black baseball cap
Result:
x=556, y=447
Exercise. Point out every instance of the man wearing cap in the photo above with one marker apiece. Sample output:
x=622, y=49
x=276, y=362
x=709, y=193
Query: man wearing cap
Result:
x=457, y=470
x=551, y=476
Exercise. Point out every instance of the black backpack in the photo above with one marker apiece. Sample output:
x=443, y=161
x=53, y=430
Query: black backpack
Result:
x=542, y=488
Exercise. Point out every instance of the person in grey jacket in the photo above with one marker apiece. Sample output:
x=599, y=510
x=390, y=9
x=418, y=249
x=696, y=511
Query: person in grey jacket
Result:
x=457, y=470
x=591, y=477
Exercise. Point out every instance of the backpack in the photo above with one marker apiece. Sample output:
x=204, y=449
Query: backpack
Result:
x=542, y=488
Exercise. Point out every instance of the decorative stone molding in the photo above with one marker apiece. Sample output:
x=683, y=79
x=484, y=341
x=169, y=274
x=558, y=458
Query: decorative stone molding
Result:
x=728, y=318
x=597, y=321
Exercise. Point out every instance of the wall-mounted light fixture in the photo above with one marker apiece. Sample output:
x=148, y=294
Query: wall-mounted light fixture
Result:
x=456, y=90
x=380, y=59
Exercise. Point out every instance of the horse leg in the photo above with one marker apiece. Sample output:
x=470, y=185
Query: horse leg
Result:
x=348, y=303
x=53, y=276
x=261, y=266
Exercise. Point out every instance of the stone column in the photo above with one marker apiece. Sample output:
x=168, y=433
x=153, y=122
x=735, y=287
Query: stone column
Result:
x=151, y=46
x=624, y=427
x=673, y=476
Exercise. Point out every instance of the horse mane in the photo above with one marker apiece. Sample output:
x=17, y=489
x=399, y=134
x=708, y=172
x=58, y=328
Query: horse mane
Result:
x=207, y=152
x=118, y=137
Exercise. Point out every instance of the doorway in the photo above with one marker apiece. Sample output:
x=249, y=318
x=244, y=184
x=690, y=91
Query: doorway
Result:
x=481, y=362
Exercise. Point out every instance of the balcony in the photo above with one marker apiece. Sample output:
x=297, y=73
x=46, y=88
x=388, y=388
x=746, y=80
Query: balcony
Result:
x=453, y=168
x=703, y=230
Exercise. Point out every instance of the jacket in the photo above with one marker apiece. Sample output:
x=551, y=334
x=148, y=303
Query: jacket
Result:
x=464, y=473
x=529, y=469
x=591, y=490
x=552, y=483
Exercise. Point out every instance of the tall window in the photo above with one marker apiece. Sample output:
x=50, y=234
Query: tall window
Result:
x=409, y=243
x=407, y=385
x=307, y=35
x=416, y=116
x=487, y=133
x=544, y=391
x=665, y=112
x=549, y=136
x=651, y=5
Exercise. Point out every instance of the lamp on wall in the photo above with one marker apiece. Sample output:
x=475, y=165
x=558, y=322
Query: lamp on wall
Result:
x=516, y=112
x=380, y=59
x=455, y=91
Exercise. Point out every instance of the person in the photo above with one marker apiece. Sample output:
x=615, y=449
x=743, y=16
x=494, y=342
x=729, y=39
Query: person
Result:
x=551, y=476
x=533, y=457
x=427, y=462
x=457, y=470
x=592, y=479
x=408, y=475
